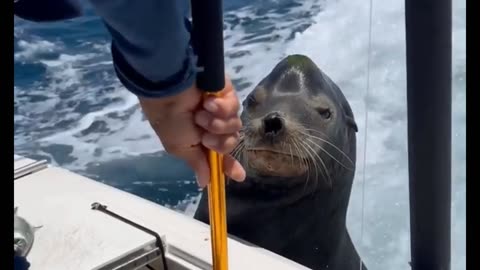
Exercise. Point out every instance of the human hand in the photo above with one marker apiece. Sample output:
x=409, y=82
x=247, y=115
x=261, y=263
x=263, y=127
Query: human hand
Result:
x=187, y=124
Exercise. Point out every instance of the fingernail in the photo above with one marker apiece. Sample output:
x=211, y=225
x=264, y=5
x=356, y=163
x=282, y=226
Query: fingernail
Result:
x=211, y=106
x=240, y=176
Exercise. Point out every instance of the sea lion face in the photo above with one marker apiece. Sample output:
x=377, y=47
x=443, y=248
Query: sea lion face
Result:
x=296, y=122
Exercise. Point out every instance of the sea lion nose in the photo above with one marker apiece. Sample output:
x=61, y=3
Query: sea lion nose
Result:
x=273, y=124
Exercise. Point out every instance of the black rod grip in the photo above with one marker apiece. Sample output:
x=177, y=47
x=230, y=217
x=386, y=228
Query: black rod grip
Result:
x=207, y=37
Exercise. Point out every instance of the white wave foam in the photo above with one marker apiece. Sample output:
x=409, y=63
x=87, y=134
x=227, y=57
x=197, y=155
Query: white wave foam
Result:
x=30, y=50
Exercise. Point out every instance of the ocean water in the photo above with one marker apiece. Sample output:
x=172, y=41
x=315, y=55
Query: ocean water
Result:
x=71, y=110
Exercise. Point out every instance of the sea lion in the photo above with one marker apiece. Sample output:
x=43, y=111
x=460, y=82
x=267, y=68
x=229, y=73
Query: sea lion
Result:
x=23, y=235
x=298, y=146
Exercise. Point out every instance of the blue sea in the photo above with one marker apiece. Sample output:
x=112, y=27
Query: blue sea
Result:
x=71, y=110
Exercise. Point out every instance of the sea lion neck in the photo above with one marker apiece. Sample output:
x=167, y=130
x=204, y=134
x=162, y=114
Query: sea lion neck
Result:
x=327, y=206
x=321, y=215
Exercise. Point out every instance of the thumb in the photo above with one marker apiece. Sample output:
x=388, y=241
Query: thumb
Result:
x=233, y=168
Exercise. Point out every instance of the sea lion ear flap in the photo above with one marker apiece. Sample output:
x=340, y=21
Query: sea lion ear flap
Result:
x=351, y=123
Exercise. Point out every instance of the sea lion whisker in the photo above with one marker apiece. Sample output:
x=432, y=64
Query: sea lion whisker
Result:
x=237, y=148
x=317, y=169
x=306, y=161
x=243, y=155
x=291, y=154
x=303, y=160
x=309, y=136
x=327, y=142
x=313, y=157
x=238, y=152
x=326, y=171
x=299, y=154
x=327, y=174
x=310, y=161
x=330, y=155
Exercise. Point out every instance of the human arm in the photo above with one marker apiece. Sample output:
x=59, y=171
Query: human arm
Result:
x=154, y=60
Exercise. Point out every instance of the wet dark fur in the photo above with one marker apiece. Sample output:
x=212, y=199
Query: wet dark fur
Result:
x=302, y=220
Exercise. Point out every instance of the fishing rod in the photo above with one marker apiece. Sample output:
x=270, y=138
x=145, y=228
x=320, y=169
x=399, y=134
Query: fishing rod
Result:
x=207, y=36
x=429, y=68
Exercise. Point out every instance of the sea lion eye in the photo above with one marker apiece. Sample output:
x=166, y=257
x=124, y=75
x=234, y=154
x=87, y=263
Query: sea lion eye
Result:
x=325, y=113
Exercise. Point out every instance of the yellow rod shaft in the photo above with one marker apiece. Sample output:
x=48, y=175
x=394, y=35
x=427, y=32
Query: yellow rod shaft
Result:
x=217, y=211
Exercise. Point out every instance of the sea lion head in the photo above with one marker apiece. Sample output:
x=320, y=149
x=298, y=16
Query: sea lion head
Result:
x=297, y=125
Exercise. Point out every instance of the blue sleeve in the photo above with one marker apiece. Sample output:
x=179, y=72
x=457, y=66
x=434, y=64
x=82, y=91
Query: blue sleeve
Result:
x=151, y=48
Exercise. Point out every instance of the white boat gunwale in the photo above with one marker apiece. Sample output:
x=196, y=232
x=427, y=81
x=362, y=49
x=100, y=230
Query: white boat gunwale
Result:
x=41, y=195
